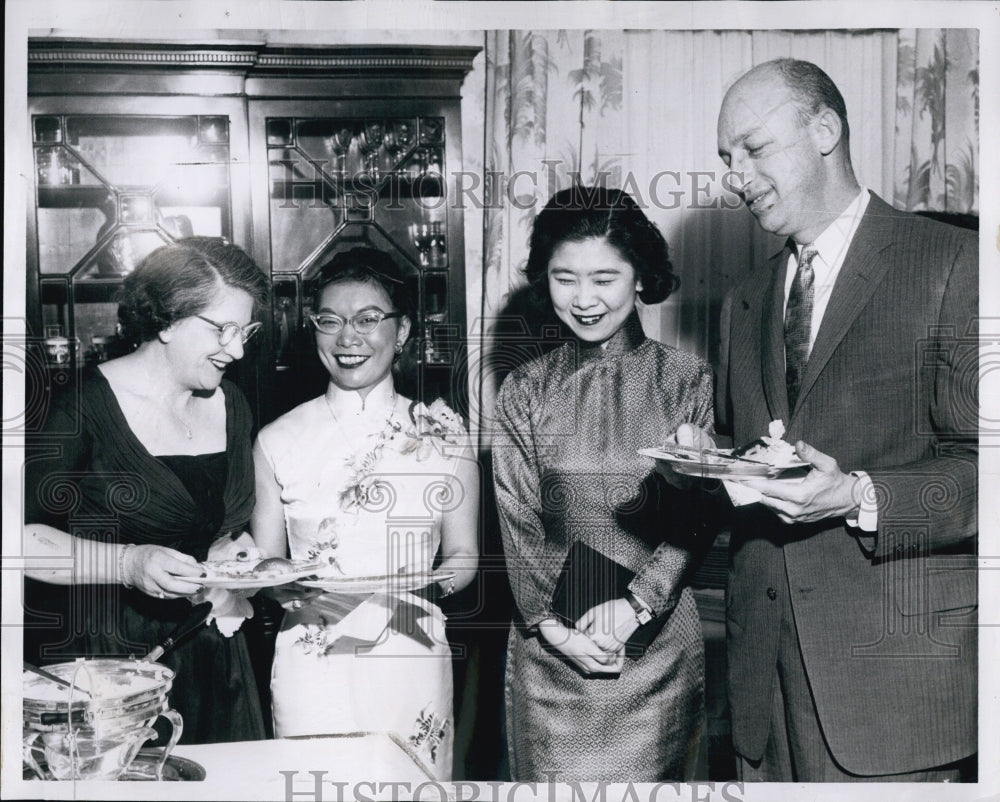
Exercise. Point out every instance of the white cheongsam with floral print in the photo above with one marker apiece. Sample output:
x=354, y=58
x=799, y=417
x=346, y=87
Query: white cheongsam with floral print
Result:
x=363, y=487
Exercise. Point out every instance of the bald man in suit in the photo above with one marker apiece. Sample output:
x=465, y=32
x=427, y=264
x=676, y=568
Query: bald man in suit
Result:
x=851, y=604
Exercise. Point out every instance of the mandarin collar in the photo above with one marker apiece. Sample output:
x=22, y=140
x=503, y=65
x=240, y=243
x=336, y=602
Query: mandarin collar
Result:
x=348, y=403
x=629, y=337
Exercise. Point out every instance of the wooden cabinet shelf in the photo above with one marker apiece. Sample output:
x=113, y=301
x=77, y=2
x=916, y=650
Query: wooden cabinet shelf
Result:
x=100, y=197
x=338, y=191
x=72, y=197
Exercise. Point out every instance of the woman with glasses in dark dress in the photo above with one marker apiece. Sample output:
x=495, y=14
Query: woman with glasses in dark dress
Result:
x=138, y=474
x=370, y=484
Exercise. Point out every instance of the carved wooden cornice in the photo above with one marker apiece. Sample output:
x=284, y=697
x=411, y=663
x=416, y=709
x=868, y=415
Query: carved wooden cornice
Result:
x=369, y=60
x=66, y=53
x=253, y=59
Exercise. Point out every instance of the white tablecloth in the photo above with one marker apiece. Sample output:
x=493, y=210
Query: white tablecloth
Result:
x=326, y=769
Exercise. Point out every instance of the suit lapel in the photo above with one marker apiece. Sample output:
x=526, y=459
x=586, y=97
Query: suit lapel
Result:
x=863, y=269
x=772, y=339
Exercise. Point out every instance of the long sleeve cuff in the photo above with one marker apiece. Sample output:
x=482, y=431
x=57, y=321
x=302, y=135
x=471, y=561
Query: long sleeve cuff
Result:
x=867, y=518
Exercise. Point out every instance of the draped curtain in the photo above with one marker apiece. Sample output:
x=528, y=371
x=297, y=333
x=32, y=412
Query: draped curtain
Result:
x=937, y=121
x=638, y=109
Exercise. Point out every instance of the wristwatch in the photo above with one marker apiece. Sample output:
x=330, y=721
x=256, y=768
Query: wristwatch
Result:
x=642, y=613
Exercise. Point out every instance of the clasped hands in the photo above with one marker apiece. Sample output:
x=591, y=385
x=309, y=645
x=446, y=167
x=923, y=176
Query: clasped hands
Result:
x=596, y=643
x=824, y=492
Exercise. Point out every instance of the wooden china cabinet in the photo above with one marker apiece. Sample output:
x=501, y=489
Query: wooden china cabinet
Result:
x=292, y=153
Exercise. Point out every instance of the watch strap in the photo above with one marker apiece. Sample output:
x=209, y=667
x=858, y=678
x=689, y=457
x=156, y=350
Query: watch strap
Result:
x=642, y=613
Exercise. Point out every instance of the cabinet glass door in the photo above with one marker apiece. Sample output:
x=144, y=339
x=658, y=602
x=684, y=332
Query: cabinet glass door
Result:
x=111, y=189
x=335, y=183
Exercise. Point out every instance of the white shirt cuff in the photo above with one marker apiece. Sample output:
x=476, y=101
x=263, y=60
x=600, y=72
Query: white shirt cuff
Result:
x=867, y=518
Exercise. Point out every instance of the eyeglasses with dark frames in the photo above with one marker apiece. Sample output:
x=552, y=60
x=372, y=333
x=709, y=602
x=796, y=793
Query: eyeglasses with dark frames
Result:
x=228, y=331
x=363, y=323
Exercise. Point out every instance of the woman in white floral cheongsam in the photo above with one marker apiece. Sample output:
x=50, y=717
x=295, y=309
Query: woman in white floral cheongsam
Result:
x=370, y=484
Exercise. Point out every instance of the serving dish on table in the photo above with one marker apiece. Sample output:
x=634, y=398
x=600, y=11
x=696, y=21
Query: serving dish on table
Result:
x=87, y=719
x=143, y=767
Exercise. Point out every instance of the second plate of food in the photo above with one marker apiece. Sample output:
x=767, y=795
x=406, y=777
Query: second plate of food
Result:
x=383, y=583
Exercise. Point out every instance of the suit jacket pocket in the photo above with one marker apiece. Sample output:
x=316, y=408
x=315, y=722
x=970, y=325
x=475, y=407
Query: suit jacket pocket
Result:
x=935, y=584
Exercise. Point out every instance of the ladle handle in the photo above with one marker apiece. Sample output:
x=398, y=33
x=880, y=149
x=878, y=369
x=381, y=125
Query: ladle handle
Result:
x=195, y=618
x=52, y=677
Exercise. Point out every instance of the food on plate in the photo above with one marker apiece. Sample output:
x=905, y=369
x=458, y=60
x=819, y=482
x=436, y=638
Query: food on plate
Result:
x=98, y=684
x=771, y=449
x=248, y=569
x=229, y=569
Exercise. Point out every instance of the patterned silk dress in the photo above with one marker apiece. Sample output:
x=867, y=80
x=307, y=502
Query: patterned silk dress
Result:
x=568, y=428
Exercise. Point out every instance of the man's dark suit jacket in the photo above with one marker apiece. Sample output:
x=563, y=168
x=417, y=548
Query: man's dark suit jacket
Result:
x=887, y=621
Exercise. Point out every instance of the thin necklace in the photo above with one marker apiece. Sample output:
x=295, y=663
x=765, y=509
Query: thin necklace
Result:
x=176, y=415
x=184, y=423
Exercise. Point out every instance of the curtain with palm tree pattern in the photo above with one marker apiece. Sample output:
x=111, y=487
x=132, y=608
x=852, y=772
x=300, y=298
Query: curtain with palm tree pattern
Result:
x=937, y=121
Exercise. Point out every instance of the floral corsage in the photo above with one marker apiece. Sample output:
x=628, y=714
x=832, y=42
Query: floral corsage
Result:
x=432, y=428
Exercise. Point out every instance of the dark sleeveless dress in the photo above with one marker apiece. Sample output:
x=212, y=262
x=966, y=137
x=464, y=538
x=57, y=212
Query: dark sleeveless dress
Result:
x=88, y=474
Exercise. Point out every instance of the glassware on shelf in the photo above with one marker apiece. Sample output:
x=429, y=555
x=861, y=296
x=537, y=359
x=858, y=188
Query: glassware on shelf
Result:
x=437, y=247
x=55, y=166
x=399, y=137
x=421, y=235
x=432, y=162
x=370, y=141
x=337, y=145
x=57, y=351
x=99, y=348
x=431, y=130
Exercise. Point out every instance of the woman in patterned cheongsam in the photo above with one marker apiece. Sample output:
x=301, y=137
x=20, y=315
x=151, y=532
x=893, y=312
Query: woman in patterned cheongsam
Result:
x=569, y=425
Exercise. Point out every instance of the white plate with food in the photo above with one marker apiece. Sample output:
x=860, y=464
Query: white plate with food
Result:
x=383, y=583
x=721, y=462
x=256, y=574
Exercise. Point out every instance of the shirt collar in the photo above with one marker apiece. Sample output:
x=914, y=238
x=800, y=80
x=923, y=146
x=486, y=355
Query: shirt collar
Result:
x=833, y=242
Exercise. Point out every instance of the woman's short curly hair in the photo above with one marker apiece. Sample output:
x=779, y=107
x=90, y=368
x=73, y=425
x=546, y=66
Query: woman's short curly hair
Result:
x=373, y=266
x=180, y=280
x=581, y=213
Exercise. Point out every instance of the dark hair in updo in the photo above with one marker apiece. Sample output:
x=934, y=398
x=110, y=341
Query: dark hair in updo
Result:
x=371, y=266
x=581, y=213
x=180, y=280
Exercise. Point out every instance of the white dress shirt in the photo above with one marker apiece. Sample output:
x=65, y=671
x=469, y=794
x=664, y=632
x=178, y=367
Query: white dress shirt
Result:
x=832, y=246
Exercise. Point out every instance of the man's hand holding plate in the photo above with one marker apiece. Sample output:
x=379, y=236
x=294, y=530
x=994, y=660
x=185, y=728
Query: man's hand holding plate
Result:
x=824, y=492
